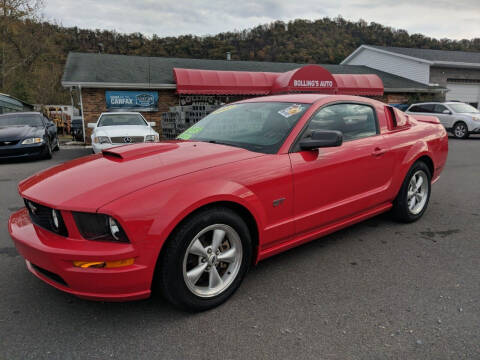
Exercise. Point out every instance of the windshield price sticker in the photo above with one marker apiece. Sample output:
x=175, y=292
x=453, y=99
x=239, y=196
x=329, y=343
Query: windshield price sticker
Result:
x=187, y=134
x=291, y=110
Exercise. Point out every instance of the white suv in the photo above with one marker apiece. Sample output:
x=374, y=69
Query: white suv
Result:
x=459, y=118
x=121, y=128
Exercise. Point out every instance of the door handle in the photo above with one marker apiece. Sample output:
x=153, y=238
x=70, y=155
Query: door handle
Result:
x=378, y=151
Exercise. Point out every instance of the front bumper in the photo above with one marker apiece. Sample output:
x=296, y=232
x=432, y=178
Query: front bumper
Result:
x=50, y=257
x=19, y=151
x=475, y=130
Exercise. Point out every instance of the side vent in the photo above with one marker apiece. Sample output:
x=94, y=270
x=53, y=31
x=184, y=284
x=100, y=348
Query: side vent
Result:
x=397, y=118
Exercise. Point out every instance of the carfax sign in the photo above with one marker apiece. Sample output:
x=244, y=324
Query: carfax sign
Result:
x=132, y=100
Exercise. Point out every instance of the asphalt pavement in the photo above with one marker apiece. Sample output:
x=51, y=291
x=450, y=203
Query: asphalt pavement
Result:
x=377, y=290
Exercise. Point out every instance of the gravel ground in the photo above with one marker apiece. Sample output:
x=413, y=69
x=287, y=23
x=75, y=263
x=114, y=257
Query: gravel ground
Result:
x=377, y=290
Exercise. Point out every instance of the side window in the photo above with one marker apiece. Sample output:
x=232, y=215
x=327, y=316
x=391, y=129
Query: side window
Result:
x=439, y=109
x=423, y=108
x=355, y=121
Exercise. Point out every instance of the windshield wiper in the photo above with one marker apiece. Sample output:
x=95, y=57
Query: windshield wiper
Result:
x=220, y=142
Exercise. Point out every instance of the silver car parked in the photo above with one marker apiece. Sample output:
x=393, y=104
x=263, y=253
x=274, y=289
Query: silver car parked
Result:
x=459, y=118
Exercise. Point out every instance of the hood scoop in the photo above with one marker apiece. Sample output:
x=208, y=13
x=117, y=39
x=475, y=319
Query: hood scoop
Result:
x=129, y=152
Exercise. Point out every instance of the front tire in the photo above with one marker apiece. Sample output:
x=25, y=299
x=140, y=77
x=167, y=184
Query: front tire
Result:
x=460, y=130
x=48, y=151
x=412, y=200
x=57, y=145
x=205, y=259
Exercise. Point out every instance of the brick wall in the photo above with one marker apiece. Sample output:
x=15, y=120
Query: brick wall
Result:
x=94, y=104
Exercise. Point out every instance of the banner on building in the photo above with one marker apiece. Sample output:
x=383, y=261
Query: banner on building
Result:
x=132, y=100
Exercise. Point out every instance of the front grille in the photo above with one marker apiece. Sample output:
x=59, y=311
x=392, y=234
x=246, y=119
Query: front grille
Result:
x=127, y=139
x=42, y=216
x=9, y=143
x=50, y=275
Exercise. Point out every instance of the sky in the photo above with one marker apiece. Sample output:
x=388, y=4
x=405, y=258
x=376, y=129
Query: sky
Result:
x=458, y=19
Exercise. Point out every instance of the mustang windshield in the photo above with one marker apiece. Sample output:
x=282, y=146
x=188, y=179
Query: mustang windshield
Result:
x=121, y=119
x=255, y=126
x=13, y=119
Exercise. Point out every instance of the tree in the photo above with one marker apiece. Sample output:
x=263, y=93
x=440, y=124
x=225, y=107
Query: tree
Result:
x=14, y=52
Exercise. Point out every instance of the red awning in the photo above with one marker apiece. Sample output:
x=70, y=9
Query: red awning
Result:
x=309, y=78
x=355, y=84
x=193, y=81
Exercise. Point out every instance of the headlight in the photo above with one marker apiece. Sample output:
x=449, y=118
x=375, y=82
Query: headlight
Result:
x=476, y=118
x=99, y=227
x=32, y=141
x=101, y=140
x=151, y=138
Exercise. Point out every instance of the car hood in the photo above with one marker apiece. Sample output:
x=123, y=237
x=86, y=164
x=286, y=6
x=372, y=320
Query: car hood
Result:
x=124, y=130
x=11, y=133
x=87, y=183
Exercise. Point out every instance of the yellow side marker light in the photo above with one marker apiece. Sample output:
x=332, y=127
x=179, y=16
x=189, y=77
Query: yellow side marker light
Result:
x=104, y=264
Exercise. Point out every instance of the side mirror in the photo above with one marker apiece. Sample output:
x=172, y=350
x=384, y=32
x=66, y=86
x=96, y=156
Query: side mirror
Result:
x=321, y=139
x=92, y=125
x=152, y=123
x=448, y=112
x=50, y=124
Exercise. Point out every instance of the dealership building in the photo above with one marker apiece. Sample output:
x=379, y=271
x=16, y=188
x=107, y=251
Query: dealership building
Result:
x=177, y=92
x=457, y=71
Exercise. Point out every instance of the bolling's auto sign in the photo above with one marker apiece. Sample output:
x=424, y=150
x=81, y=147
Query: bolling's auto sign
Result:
x=313, y=83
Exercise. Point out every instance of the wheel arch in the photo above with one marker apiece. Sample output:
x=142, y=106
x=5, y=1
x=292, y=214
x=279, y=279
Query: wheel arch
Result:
x=240, y=209
x=419, y=152
x=428, y=161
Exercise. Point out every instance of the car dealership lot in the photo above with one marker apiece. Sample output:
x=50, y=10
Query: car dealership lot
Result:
x=375, y=290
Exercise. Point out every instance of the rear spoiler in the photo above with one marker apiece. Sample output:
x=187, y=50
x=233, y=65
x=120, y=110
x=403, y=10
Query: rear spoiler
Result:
x=426, y=119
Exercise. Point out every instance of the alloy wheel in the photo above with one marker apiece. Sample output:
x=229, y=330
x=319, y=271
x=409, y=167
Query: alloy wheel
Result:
x=417, y=194
x=460, y=130
x=212, y=260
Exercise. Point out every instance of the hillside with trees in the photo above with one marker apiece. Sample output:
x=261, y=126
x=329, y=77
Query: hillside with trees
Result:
x=33, y=52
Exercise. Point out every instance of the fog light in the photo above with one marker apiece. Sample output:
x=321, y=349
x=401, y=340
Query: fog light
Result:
x=114, y=228
x=89, y=264
x=104, y=264
x=56, y=222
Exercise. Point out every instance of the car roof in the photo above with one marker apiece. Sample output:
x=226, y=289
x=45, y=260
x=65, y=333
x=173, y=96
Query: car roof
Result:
x=120, y=112
x=306, y=98
x=436, y=102
x=22, y=113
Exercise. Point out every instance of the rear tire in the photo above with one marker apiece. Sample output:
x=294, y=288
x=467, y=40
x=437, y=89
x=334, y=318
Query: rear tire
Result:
x=205, y=260
x=412, y=199
x=460, y=130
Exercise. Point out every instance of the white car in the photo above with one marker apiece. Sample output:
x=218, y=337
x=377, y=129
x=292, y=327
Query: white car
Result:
x=121, y=128
x=459, y=118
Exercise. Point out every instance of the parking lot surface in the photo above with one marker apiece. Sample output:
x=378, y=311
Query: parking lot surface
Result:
x=377, y=290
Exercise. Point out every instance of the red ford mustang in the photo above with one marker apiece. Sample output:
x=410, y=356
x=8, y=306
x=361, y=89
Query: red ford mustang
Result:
x=250, y=180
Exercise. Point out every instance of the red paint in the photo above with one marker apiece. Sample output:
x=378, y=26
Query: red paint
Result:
x=150, y=188
x=309, y=78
